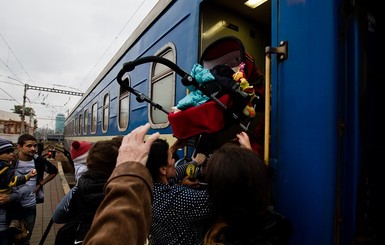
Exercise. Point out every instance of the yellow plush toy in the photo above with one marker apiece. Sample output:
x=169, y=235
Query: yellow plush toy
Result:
x=239, y=77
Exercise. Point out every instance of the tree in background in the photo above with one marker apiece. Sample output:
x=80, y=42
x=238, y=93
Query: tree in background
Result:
x=29, y=112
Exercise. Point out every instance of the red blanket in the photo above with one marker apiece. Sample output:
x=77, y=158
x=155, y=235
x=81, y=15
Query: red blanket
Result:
x=205, y=118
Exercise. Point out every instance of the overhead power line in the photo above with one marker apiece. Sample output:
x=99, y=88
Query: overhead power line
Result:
x=18, y=61
x=53, y=90
x=114, y=40
x=9, y=95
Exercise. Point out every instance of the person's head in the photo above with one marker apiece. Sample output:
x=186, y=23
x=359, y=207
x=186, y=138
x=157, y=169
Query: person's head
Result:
x=6, y=150
x=161, y=163
x=238, y=184
x=79, y=150
x=102, y=157
x=26, y=145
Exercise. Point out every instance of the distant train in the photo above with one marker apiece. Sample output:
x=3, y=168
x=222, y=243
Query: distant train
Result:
x=323, y=132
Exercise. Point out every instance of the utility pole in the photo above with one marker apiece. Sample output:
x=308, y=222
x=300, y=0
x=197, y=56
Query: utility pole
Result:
x=23, y=110
x=51, y=90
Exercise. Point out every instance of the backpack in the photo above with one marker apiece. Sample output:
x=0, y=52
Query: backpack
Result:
x=74, y=231
x=80, y=218
x=39, y=166
x=42, y=165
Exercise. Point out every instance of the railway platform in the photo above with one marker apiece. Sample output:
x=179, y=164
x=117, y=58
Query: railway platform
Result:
x=54, y=191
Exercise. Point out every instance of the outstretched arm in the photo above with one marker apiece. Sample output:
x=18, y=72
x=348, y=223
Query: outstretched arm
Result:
x=125, y=212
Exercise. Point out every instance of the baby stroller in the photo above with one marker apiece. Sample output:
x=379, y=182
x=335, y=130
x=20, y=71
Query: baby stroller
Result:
x=226, y=94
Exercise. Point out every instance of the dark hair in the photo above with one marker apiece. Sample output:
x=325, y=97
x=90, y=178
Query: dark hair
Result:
x=157, y=157
x=102, y=157
x=238, y=185
x=25, y=137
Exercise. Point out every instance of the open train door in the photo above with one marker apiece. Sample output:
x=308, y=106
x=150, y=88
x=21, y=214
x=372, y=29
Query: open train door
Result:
x=324, y=130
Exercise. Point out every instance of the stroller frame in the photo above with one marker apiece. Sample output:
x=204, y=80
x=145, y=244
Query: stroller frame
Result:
x=209, y=57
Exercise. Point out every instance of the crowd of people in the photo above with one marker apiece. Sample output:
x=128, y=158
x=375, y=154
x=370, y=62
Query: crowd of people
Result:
x=23, y=175
x=236, y=206
x=129, y=191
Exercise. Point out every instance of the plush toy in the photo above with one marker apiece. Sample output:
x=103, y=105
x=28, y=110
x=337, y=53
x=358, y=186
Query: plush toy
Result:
x=203, y=75
x=239, y=76
x=195, y=97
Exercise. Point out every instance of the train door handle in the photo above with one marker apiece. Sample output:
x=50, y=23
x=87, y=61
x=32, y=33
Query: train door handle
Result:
x=282, y=52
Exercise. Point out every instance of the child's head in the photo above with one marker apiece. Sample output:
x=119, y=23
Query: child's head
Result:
x=6, y=150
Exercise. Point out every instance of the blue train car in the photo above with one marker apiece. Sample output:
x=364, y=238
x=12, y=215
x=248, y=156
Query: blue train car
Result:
x=323, y=134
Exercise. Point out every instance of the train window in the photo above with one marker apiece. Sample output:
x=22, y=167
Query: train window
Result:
x=73, y=127
x=124, y=103
x=94, y=117
x=162, y=89
x=106, y=106
x=76, y=126
x=85, y=131
x=80, y=123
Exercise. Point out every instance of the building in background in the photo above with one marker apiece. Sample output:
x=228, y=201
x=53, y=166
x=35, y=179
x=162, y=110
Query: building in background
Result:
x=49, y=134
x=59, y=125
x=10, y=125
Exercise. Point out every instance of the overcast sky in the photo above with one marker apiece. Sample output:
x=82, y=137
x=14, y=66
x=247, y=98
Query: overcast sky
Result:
x=62, y=45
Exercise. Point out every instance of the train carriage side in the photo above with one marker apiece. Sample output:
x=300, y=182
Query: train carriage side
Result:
x=318, y=95
x=172, y=31
x=107, y=110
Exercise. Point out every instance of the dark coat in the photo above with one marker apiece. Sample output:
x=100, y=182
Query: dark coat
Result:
x=83, y=205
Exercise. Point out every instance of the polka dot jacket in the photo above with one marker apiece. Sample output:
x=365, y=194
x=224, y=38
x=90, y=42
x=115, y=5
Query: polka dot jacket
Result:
x=180, y=215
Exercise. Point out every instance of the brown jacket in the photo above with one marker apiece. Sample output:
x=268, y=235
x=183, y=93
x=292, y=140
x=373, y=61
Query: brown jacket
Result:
x=124, y=216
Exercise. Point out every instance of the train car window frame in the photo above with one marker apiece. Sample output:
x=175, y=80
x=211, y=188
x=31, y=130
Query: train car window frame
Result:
x=105, y=112
x=76, y=125
x=80, y=126
x=123, y=107
x=73, y=127
x=85, y=131
x=94, y=117
x=162, y=76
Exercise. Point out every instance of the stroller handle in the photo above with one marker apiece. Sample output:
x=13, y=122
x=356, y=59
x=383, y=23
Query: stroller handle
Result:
x=140, y=97
x=187, y=79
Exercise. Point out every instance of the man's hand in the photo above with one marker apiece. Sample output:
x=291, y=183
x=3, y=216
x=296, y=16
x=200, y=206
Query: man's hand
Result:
x=134, y=148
